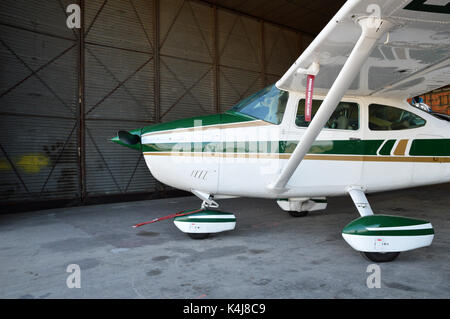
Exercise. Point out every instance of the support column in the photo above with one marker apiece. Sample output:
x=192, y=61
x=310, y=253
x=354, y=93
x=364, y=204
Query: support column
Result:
x=216, y=58
x=81, y=107
x=156, y=62
x=263, y=55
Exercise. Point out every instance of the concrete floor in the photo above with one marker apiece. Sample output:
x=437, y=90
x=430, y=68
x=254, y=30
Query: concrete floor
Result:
x=269, y=255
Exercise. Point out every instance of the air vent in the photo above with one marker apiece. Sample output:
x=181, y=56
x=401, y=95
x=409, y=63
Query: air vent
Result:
x=199, y=174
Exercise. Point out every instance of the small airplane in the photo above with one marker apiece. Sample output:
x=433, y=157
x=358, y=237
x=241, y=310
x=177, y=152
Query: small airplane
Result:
x=336, y=123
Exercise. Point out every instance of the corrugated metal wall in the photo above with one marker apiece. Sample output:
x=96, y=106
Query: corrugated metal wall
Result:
x=186, y=55
x=38, y=102
x=119, y=91
x=65, y=93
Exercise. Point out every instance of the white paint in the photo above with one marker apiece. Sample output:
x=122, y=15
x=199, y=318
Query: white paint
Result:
x=202, y=228
x=422, y=226
x=301, y=204
x=360, y=200
x=387, y=243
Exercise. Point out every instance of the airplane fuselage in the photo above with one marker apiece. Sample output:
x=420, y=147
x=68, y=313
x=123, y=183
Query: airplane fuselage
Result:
x=232, y=154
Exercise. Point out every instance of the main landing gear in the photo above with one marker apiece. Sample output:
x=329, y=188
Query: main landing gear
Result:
x=294, y=213
x=381, y=238
x=380, y=257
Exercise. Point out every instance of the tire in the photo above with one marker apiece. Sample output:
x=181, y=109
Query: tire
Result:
x=294, y=213
x=380, y=257
x=198, y=235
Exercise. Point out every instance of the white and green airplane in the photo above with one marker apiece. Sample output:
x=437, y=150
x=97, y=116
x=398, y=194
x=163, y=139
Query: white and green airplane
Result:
x=336, y=123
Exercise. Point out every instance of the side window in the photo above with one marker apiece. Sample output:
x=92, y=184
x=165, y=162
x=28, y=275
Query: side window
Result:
x=387, y=118
x=345, y=117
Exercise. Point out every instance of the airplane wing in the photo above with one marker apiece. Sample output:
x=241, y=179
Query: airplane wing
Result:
x=391, y=48
x=411, y=59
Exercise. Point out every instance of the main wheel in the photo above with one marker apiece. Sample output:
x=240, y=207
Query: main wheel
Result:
x=198, y=235
x=381, y=257
x=294, y=213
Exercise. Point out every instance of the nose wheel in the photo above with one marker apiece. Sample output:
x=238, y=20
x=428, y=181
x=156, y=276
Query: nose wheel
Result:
x=198, y=235
x=205, y=221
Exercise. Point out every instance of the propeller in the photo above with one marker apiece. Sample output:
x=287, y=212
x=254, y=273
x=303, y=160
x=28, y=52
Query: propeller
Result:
x=128, y=138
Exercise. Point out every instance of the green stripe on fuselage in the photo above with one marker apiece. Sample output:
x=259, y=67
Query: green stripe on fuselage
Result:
x=387, y=147
x=430, y=147
x=340, y=147
x=437, y=147
x=213, y=119
x=419, y=147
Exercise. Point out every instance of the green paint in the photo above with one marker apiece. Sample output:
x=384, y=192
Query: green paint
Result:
x=359, y=226
x=387, y=147
x=415, y=232
x=224, y=118
x=422, y=6
x=430, y=147
x=209, y=212
x=192, y=217
x=341, y=147
x=213, y=119
x=345, y=147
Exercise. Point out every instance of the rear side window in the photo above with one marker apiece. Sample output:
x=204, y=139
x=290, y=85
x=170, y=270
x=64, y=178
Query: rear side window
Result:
x=388, y=118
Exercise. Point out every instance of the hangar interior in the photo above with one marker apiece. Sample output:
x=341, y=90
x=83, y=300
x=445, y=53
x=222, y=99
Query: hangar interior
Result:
x=65, y=92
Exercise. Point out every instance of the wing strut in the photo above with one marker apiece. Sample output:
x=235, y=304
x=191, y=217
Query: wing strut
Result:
x=372, y=29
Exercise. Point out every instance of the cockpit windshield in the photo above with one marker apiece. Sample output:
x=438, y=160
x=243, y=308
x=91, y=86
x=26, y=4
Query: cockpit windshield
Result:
x=268, y=105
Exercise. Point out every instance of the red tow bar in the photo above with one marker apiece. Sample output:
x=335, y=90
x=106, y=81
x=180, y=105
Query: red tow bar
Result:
x=182, y=213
